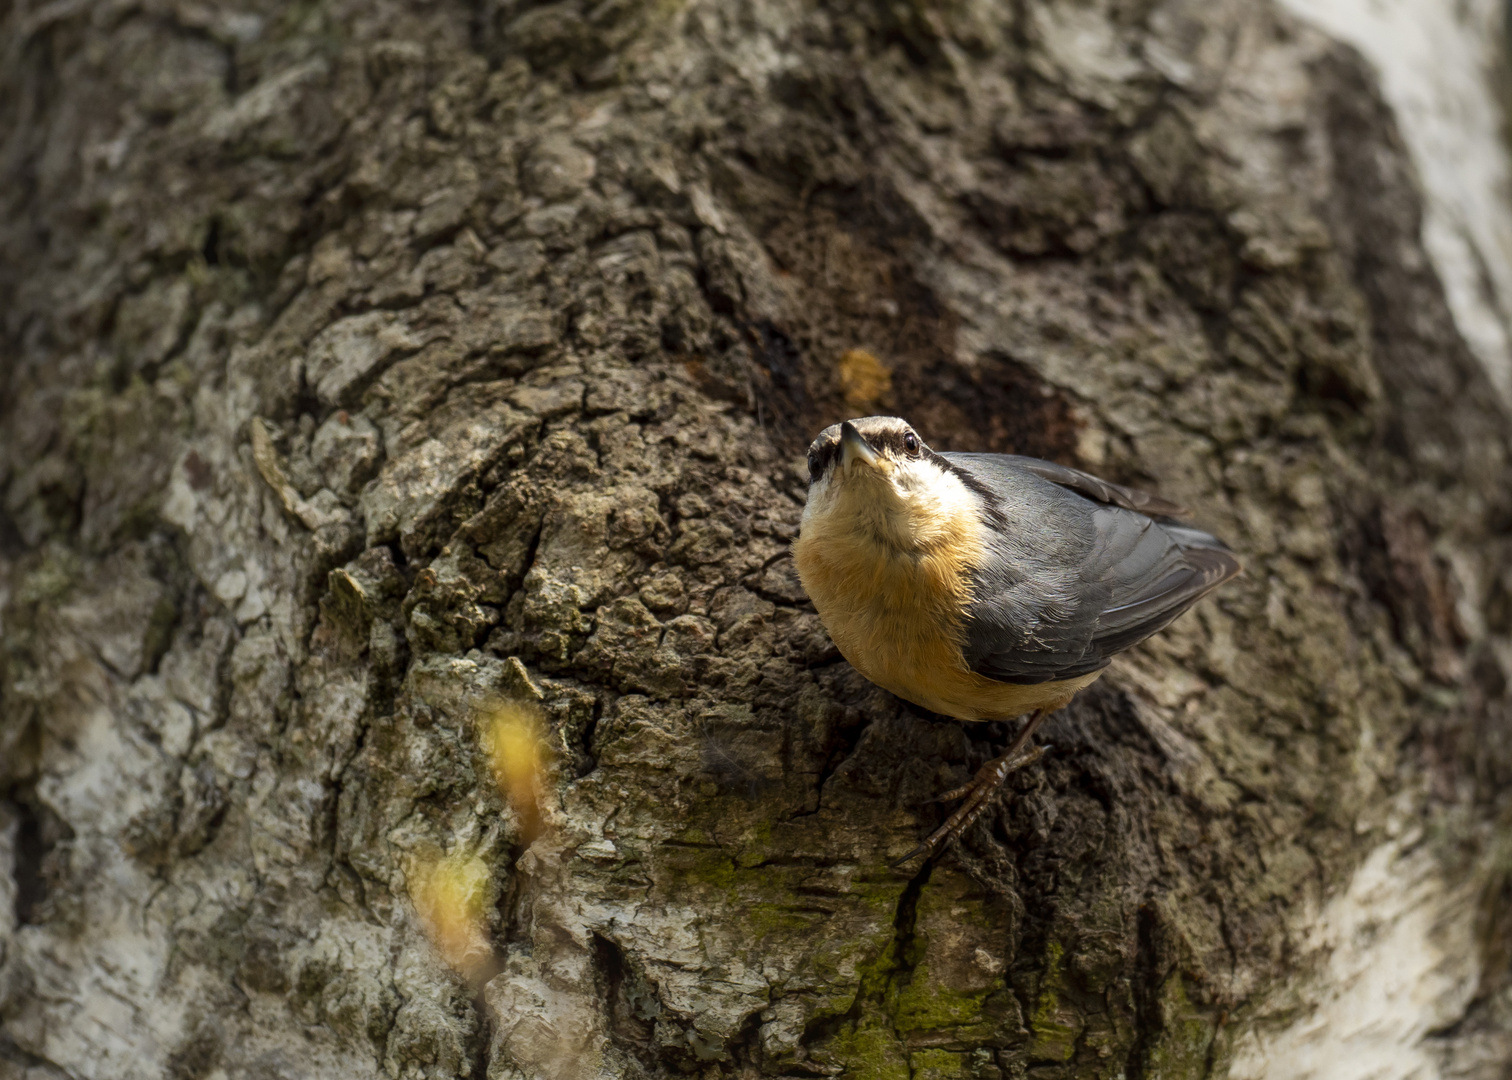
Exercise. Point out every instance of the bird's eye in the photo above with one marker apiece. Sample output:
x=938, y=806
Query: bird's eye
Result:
x=813, y=460
x=911, y=443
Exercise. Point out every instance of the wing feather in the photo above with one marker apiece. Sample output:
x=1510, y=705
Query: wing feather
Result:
x=1093, y=487
x=1083, y=571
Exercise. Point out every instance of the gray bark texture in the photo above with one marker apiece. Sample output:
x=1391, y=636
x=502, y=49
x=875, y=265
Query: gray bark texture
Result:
x=372, y=367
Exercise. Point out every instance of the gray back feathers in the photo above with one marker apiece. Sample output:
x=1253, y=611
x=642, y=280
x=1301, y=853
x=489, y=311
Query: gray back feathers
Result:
x=1080, y=571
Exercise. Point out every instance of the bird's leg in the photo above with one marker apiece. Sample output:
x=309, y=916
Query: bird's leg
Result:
x=1028, y=757
x=983, y=785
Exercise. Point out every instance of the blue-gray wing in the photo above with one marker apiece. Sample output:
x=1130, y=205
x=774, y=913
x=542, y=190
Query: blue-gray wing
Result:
x=1080, y=570
x=1093, y=487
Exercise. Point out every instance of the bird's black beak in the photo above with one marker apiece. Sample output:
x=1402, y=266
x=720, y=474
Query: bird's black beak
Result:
x=855, y=448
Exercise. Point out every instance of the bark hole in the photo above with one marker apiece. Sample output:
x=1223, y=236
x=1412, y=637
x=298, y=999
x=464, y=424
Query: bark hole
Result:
x=38, y=833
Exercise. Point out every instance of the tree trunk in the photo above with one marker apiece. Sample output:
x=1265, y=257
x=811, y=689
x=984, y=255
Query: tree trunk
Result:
x=378, y=376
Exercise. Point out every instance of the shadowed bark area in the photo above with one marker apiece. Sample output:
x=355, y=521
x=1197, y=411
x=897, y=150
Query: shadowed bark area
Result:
x=367, y=365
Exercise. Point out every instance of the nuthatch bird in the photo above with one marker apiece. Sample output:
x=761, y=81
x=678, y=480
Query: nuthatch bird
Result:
x=987, y=586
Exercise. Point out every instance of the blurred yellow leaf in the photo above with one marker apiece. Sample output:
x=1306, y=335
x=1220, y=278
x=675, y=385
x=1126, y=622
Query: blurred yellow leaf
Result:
x=514, y=739
x=450, y=895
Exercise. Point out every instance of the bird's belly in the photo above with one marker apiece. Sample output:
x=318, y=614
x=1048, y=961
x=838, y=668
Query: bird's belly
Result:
x=899, y=624
x=959, y=692
x=976, y=697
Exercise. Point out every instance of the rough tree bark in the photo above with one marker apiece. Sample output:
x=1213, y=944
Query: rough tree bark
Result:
x=367, y=364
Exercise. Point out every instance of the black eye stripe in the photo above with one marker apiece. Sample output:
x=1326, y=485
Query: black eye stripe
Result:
x=824, y=451
x=894, y=442
x=819, y=458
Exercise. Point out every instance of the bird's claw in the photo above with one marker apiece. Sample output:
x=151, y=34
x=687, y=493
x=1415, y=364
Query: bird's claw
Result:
x=918, y=849
x=982, y=786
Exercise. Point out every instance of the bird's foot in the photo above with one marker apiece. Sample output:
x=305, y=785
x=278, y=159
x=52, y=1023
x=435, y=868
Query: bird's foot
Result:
x=981, y=788
x=1024, y=758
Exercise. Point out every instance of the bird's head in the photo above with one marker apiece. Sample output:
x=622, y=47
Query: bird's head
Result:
x=874, y=479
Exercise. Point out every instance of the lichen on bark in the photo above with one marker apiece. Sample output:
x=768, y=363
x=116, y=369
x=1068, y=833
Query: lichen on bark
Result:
x=369, y=364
